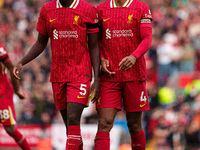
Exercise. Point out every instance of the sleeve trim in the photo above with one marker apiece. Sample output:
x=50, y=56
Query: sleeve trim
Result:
x=41, y=32
x=92, y=26
x=93, y=30
x=5, y=59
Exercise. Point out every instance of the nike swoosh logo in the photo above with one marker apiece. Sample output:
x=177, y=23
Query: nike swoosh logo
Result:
x=51, y=20
x=106, y=19
x=4, y=120
x=80, y=96
x=71, y=144
x=142, y=105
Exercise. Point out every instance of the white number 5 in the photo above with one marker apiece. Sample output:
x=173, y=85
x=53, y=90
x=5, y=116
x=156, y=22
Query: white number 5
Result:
x=83, y=89
x=142, y=97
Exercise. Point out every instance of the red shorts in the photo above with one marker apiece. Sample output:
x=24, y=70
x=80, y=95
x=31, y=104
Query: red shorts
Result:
x=133, y=94
x=7, y=110
x=77, y=91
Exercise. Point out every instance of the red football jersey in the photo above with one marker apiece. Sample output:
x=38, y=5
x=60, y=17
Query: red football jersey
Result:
x=120, y=29
x=5, y=84
x=67, y=28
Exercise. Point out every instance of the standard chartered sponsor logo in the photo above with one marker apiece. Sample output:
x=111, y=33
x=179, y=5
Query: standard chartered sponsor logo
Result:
x=69, y=34
x=122, y=33
x=64, y=34
x=118, y=33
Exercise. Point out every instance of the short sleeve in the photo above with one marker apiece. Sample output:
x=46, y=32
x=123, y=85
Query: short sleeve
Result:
x=41, y=25
x=92, y=21
x=3, y=55
x=146, y=17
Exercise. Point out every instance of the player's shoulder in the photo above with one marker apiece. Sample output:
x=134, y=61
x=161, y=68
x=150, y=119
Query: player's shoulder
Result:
x=104, y=5
x=86, y=8
x=141, y=4
x=49, y=5
x=85, y=5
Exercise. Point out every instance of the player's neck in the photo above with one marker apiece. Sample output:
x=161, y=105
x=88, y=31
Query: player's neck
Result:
x=120, y=3
x=66, y=3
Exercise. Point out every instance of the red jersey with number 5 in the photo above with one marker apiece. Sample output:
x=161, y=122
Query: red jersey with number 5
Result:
x=67, y=28
x=120, y=29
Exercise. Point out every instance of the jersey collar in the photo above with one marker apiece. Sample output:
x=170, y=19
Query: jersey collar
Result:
x=73, y=5
x=126, y=4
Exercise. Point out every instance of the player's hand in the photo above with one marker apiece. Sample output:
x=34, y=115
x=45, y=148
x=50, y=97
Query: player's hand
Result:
x=95, y=90
x=16, y=71
x=20, y=95
x=127, y=62
x=105, y=64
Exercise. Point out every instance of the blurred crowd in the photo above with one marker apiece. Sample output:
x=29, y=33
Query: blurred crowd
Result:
x=174, y=119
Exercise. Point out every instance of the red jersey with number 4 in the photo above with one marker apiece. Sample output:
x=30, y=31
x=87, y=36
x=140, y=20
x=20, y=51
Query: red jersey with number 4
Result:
x=67, y=28
x=120, y=29
x=5, y=84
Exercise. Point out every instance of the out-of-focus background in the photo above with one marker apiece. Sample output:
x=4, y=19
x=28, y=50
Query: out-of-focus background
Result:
x=173, y=65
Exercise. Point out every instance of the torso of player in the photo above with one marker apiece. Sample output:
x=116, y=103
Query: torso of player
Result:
x=5, y=84
x=66, y=28
x=120, y=37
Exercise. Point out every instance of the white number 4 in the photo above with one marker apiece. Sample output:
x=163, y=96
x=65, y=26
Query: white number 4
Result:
x=142, y=97
x=83, y=89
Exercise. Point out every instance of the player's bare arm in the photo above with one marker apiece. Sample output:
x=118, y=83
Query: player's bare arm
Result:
x=128, y=61
x=34, y=51
x=15, y=82
x=95, y=60
x=105, y=64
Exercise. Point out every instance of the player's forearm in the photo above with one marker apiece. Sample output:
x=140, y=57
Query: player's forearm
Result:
x=146, y=35
x=100, y=44
x=35, y=50
x=15, y=82
x=94, y=54
x=95, y=60
x=9, y=65
x=101, y=50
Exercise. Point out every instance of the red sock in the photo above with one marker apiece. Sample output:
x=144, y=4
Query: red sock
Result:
x=81, y=145
x=102, y=141
x=73, y=137
x=138, y=141
x=20, y=140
